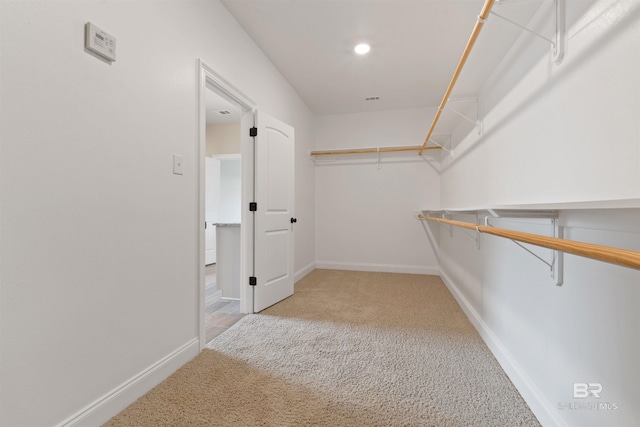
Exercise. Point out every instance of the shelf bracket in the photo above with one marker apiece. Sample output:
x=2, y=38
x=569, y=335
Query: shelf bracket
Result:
x=443, y=215
x=450, y=227
x=556, y=266
x=475, y=235
x=443, y=147
x=475, y=122
x=547, y=263
x=557, y=269
x=492, y=213
x=558, y=40
x=446, y=214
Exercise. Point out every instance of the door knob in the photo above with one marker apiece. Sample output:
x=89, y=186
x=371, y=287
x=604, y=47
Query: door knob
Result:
x=294, y=220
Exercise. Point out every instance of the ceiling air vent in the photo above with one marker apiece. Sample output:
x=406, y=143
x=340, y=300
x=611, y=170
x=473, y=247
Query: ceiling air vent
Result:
x=372, y=98
x=223, y=112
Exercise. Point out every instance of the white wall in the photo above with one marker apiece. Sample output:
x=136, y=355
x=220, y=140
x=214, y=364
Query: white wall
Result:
x=223, y=138
x=548, y=337
x=553, y=134
x=364, y=214
x=99, y=242
x=230, y=191
x=562, y=133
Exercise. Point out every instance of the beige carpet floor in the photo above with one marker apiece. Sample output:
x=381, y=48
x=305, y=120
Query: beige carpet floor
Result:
x=348, y=349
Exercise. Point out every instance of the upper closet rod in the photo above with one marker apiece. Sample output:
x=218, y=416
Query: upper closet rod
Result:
x=484, y=14
x=622, y=257
x=372, y=150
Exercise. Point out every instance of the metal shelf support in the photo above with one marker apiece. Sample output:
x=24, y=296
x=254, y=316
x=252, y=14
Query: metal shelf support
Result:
x=557, y=270
x=442, y=146
x=475, y=122
x=557, y=42
x=556, y=265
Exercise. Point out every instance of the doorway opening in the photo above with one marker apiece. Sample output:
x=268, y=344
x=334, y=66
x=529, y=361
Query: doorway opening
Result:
x=267, y=203
x=223, y=194
x=225, y=182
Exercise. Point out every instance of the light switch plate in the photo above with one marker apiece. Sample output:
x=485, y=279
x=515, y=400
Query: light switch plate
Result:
x=178, y=166
x=100, y=42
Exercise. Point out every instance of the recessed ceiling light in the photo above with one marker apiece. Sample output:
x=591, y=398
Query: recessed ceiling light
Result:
x=362, y=48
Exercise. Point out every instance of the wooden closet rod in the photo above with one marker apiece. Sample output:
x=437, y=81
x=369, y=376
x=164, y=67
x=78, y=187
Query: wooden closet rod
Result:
x=484, y=14
x=623, y=257
x=372, y=150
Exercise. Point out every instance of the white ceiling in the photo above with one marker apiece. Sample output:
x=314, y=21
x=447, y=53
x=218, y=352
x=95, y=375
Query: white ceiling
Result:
x=215, y=104
x=415, y=47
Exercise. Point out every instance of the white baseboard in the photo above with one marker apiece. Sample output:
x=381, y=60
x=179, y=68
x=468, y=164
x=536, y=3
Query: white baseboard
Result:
x=304, y=271
x=112, y=403
x=539, y=405
x=381, y=268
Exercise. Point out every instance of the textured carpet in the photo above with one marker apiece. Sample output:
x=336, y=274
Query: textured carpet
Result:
x=348, y=349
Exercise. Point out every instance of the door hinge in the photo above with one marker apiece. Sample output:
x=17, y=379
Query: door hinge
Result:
x=253, y=131
x=253, y=207
x=253, y=281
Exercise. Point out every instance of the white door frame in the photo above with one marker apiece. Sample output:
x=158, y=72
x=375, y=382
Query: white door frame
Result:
x=207, y=76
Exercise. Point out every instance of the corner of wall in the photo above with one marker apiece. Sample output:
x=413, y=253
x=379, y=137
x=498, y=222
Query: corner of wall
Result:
x=300, y=274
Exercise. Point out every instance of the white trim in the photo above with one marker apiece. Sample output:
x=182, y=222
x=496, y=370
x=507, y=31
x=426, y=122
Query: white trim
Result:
x=106, y=407
x=247, y=218
x=227, y=156
x=226, y=87
x=299, y=275
x=573, y=205
x=208, y=78
x=531, y=394
x=381, y=268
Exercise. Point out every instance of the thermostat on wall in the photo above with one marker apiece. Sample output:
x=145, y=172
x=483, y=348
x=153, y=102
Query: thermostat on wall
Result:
x=100, y=42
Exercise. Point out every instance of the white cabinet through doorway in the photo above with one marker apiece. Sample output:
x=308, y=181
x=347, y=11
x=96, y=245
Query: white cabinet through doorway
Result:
x=212, y=203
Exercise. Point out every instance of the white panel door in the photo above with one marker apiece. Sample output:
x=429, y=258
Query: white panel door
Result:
x=274, y=219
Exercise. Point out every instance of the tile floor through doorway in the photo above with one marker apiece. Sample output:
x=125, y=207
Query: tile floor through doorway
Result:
x=220, y=314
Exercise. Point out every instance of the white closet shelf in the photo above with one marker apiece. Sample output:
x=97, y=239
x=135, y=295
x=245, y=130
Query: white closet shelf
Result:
x=623, y=257
x=578, y=205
